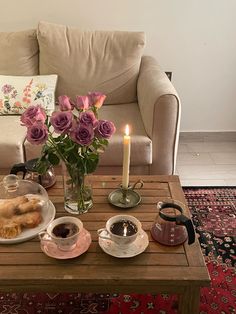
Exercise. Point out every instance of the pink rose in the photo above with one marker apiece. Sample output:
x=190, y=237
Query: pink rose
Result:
x=96, y=99
x=65, y=103
x=61, y=121
x=87, y=118
x=82, y=134
x=33, y=114
x=105, y=129
x=82, y=102
x=37, y=134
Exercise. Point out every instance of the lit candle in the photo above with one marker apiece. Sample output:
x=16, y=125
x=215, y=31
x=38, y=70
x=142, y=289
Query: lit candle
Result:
x=126, y=158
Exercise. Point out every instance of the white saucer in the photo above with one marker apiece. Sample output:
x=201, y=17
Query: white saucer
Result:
x=83, y=243
x=135, y=248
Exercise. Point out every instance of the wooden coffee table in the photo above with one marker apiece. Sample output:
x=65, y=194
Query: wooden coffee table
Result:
x=160, y=269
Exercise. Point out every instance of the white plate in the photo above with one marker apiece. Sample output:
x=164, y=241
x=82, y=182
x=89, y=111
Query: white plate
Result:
x=48, y=214
x=133, y=249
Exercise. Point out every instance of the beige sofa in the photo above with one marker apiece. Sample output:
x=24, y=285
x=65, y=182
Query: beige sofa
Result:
x=138, y=92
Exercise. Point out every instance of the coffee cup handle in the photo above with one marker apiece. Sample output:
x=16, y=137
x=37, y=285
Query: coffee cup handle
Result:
x=99, y=232
x=42, y=237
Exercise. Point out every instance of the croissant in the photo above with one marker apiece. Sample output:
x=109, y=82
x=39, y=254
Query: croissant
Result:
x=9, y=207
x=31, y=205
x=28, y=220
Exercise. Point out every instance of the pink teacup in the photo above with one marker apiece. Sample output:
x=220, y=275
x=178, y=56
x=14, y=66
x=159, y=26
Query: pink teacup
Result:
x=64, y=232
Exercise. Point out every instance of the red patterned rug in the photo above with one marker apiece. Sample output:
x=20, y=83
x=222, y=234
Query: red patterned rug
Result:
x=214, y=217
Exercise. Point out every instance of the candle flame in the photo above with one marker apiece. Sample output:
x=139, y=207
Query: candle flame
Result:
x=127, y=129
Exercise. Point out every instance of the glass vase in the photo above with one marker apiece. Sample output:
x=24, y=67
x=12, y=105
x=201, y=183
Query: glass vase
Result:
x=77, y=191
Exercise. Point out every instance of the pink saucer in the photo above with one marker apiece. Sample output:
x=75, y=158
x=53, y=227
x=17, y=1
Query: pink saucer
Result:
x=83, y=243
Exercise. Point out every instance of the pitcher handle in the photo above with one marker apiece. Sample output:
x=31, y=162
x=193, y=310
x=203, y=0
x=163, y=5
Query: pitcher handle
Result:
x=19, y=168
x=183, y=220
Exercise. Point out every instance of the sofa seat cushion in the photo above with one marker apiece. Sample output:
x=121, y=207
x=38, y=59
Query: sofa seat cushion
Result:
x=104, y=61
x=120, y=114
x=19, y=53
x=12, y=138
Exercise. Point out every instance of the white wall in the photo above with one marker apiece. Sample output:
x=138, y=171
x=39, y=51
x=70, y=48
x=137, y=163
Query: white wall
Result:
x=196, y=39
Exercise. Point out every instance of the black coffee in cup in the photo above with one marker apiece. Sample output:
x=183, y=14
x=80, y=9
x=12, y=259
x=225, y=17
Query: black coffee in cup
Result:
x=65, y=230
x=123, y=228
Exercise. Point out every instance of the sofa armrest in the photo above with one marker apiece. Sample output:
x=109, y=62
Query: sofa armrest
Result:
x=160, y=110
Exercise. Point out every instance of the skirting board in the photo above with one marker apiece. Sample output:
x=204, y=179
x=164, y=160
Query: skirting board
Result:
x=208, y=136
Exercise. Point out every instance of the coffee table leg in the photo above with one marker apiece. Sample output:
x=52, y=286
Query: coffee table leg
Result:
x=189, y=302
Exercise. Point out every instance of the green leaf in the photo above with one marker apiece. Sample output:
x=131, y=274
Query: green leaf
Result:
x=53, y=159
x=42, y=166
x=93, y=156
x=72, y=159
x=95, y=145
x=103, y=141
x=68, y=149
x=57, y=139
x=91, y=164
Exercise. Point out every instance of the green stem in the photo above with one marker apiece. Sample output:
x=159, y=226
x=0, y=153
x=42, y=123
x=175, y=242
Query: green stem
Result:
x=77, y=182
x=51, y=141
x=81, y=192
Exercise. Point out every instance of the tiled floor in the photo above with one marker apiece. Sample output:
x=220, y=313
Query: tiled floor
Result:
x=206, y=159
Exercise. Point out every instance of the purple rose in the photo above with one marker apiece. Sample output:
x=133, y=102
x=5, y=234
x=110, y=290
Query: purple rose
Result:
x=33, y=114
x=65, y=103
x=82, y=102
x=61, y=121
x=105, y=128
x=37, y=134
x=96, y=99
x=87, y=118
x=82, y=134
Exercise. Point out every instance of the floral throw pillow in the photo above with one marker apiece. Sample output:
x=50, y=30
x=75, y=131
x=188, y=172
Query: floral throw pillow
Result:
x=17, y=93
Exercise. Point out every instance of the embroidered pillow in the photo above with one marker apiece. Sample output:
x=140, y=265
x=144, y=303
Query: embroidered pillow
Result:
x=19, y=92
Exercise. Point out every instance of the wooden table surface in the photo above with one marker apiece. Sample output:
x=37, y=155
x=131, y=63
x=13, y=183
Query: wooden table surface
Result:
x=180, y=269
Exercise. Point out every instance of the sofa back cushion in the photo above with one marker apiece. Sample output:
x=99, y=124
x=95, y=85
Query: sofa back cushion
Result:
x=104, y=61
x=19, y=53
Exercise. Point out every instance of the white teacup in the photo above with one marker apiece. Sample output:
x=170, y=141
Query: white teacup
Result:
x=64, y=232
x=125, y=238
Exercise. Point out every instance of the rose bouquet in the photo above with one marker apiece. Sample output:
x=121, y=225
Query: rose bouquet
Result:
x=73, y=135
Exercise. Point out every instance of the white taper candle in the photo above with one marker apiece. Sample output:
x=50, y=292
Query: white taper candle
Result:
x=126, y=158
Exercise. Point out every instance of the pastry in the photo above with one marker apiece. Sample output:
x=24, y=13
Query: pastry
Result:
x=32, y=205
x=17, y=213
x=28, y=220
x=9, y=207
x=9, y=229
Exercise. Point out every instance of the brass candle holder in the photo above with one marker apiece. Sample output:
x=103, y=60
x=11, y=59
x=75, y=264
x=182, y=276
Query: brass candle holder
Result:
x=126, y=197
